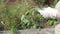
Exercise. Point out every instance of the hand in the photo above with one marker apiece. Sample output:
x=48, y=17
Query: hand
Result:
x=48, y=12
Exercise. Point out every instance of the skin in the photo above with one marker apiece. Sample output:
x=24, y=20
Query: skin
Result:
x=58, y=15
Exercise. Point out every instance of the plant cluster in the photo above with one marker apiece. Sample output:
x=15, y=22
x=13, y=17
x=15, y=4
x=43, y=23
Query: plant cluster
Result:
x=22, y=16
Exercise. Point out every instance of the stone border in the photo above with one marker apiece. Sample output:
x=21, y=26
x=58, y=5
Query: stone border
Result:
x=32, y=31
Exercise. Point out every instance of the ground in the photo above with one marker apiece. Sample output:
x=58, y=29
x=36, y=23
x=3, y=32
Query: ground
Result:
x=32, y=31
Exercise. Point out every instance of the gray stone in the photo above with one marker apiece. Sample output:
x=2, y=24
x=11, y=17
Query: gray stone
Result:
x=32, y=31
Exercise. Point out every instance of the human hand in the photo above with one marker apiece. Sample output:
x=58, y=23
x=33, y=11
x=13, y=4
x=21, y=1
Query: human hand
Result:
x=48, y=12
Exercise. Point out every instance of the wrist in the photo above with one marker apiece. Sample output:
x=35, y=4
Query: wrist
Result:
x=58, y=15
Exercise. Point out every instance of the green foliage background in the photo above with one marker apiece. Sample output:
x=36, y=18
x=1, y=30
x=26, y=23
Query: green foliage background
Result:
x=23, y=15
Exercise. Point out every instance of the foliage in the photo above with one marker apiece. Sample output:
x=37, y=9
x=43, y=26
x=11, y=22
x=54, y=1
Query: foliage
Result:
x=53, y=3
x=21, y=16
x=52, y=22
x=41, y=2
